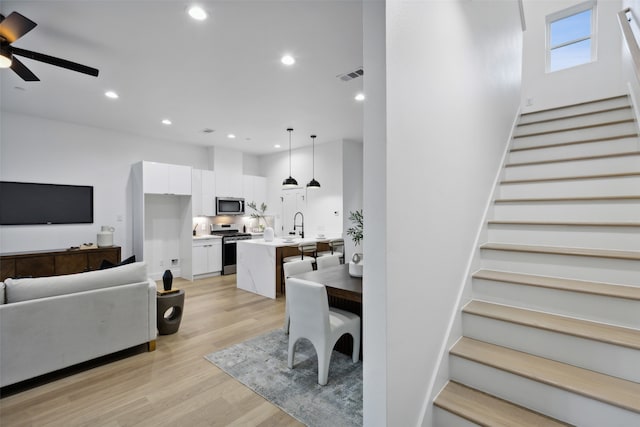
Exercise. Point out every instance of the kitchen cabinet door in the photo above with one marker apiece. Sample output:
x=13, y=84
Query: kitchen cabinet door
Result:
x=208, y=194
x=179, y=180
x=260, y=189
x=247, y=189
x=200, y=260
x=196, y=188
x=155, y=178
x=215, y=257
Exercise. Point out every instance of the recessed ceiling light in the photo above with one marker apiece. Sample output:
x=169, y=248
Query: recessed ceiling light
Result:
x=197, y=13
x=276, y=146
x=166, y=121
x=231, y=136
x=359, y=97
x=111, y=94
x=288, y=60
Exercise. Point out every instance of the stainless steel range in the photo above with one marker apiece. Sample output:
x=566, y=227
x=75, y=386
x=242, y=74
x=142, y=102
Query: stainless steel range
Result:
x=230, y=235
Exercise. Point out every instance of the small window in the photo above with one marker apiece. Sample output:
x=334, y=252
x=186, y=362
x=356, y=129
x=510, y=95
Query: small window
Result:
x=570, y=37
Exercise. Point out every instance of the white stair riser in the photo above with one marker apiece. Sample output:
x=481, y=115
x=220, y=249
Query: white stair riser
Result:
x=571, y=122
x=557, y=403
x=571, y=211
x=573, y=168
x=579, y=109
x=575, y=135
x=616, y=238
x=615, y=311
x=623, y=145
x=581, y=352
x=583, y=188
x=565, y=266
x=444, y=418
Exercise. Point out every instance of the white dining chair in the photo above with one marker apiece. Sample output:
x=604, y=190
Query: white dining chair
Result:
x=290, y=269
x=306, y=251
x=311, y=318
x=327, y=261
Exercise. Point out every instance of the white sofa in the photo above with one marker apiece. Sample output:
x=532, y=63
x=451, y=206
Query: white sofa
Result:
x=49, y=323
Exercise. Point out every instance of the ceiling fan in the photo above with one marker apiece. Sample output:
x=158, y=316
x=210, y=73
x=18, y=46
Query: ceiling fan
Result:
x=12, y=28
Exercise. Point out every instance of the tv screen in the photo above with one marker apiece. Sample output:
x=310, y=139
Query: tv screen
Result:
x=23, y=203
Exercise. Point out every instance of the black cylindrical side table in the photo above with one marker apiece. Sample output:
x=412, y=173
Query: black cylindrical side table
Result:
x=169, y=312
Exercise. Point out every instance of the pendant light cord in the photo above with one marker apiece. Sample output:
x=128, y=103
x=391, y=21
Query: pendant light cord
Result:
x=289, y=130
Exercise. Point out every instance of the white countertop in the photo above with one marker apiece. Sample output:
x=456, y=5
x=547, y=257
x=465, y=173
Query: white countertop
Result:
x=280, y=242
x=206, y=236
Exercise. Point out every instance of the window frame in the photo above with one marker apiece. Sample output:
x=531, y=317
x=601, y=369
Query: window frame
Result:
x=566, y=13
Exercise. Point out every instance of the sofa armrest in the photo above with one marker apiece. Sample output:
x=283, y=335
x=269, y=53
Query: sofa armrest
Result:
x=153, y=307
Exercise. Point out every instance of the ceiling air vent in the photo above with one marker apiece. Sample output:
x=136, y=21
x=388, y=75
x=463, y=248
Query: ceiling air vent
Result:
x=351, y=75
x=208, y=130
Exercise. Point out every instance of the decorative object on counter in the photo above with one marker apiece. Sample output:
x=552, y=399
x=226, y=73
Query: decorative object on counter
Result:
x=105, y=236
x=313, y=183
x=268, y=234
x=289, y=182
x=194, y=229
x=356, y=232
x=167, y=280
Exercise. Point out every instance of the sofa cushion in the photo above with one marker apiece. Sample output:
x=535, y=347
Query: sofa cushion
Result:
x=42, y=287
x=108, y=264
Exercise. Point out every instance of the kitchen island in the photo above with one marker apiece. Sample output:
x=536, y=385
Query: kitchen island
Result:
x=259, y=263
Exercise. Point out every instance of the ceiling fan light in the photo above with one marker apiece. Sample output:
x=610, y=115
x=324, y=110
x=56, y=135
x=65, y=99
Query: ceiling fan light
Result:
x=5, y=58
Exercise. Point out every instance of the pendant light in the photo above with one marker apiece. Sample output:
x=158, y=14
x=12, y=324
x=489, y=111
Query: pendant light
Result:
x=313, y=183
x=289, y=182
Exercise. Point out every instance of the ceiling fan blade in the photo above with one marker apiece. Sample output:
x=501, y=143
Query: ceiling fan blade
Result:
x=22, y=70
x=15, y=26
x=58, y=62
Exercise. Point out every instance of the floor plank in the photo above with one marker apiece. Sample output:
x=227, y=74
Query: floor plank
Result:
x=173, y=385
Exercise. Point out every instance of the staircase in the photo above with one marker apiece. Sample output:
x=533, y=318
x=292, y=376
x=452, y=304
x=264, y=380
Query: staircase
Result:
x=552, y=334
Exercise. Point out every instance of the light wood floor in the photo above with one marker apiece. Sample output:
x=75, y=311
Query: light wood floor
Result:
x=172, y=386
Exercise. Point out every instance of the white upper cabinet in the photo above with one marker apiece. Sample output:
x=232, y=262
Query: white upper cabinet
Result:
x=204, y=192
x=162, y=178
x=228, y=167
x=254, y=189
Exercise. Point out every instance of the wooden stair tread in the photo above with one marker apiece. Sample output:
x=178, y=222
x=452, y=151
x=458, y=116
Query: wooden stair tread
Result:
x=574, y=159
x=559, y=283
x=558, y=250
x=567, y=223
x=605, y=388
x=582, y=127
x=487, y=410
x=562, y=107
x=609, y=334
x=570, y=178
x=576, y=142
x=573, y=116
x=570, y=199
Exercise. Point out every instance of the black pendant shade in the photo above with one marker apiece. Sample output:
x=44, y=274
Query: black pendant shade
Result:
x=289, y=182
x=313, y=183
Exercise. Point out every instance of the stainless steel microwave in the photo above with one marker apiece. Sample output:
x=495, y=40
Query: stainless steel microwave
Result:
x=229, y=206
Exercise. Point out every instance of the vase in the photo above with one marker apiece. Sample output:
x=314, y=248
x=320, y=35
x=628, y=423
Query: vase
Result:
x=268, y=234
x=356, y=265
x=167, y=280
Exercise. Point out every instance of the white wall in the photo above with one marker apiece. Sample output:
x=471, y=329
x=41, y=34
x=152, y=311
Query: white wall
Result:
x=586, y=82
x=453, y=89
x=39, y=150
x=375, y=317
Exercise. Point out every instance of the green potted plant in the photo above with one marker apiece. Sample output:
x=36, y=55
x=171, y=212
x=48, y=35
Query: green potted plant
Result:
x=356, y=232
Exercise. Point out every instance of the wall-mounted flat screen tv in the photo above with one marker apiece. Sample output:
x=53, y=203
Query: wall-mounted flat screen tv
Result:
x=25, y=203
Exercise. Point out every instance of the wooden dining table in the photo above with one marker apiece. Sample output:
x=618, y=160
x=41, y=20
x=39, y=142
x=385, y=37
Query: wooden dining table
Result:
x=344, y=292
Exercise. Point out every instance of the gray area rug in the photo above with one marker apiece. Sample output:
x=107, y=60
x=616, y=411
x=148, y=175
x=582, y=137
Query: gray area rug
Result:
x=261, y=364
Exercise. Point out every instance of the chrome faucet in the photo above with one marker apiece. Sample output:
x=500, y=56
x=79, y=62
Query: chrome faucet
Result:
x=301, y=225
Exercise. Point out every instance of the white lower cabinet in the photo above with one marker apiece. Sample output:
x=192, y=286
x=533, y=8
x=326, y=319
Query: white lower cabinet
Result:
x=207, y=256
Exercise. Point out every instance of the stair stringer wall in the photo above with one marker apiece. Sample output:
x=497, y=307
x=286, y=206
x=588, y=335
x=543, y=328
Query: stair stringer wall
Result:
x=454, y=330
